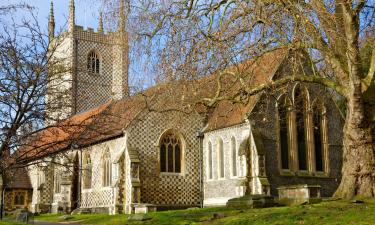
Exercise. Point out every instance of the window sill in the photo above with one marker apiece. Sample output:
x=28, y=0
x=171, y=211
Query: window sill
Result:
x=86, y=190
x=166, y=174
x=321, y=175
x=304, y=173
x=106, y=188
x=286, y=173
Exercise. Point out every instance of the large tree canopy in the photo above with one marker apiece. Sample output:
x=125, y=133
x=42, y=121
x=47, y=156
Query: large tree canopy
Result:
x=194, y=38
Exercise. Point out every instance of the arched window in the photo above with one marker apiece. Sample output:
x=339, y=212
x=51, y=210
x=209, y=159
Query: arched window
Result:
x=300, y=105
x=234, y=156
x=170, y=153
x=41, y=177
x=93, y=63
x=283, y=105
x=19, y=198
x=87, y=172
x=209, y=160
x=318, y=114
x=220, y=149
x=57, y=181
x=107, y=169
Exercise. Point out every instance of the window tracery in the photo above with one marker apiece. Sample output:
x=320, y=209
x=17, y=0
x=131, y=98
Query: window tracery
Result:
x=170, y=153
x=93, y=63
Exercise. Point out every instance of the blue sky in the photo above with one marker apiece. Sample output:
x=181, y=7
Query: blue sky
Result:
x=87, y=12
x=87, y=15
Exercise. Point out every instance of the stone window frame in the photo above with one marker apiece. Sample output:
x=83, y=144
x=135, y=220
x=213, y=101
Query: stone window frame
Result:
x=94, y=54
x=307, y=117
x=309, y=136
x=57, y=181
x=106, y=165
x=288, y=105
x=41, y=177
x=210, y=168
x=324, y=139
x=87, y=172
x=220, y=150
x=182, y=139
x=234, y=159
x=23, y=194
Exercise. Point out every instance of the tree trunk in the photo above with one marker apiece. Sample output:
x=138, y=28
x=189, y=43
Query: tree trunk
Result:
x=358, y=171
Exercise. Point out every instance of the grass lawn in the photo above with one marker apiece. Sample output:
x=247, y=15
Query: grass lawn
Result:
x=330, y=212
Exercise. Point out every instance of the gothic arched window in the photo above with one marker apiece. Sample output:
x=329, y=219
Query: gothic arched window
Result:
x=318, y=126
x=283, y=105
x=41, y=177
x=209, y=160
x=19, y=198
x=300, y=106
x=107, y=169
x=87, y=172
x=93, y=63
x=220, y=149
x=58, y=181
x=170, y=153
x=234, y=156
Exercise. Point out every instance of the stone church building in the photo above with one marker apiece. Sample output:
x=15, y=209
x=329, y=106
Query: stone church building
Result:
x=112, y=152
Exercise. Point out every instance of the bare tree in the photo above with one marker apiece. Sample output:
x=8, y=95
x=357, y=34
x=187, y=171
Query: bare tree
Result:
x=195, y=38
x=27, y=73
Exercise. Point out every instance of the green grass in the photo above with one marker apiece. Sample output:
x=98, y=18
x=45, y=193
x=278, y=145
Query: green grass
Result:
x=330, y=212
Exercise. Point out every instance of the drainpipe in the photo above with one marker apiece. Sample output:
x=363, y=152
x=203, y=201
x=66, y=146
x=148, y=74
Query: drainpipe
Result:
x=75, y=146
x=200, y=135
x=2, y=202
x=2, y=186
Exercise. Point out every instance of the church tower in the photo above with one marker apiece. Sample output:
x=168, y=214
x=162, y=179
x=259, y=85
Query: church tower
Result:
x=95, y=66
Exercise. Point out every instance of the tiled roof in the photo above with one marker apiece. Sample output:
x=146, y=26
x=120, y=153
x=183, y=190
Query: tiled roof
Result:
x=18, y=178
x=109, y=120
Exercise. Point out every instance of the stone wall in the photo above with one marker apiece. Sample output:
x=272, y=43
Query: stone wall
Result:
x=77, y=90
x=218, y=190
x=99, y=198
x=178, y=190
x=263, y=118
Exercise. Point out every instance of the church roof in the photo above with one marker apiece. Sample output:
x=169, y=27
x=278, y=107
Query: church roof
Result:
x=109, y=120
x=18, y=179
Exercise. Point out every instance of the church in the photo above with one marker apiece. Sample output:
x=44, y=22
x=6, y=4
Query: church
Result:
x=112, y=152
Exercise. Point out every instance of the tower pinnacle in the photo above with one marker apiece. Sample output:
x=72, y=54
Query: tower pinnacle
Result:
x=100, y=28
x=51, y=23
x=71, y=16
x=121, y=23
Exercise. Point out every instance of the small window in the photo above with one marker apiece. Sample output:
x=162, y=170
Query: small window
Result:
x=87, y=172
x=234, y=156
x=221, y=158
x=209, y=160
x=41, y=177
x=19, y=198
x=93, y=63
x=107, y=170
x=57, y=182
x=170, y=153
